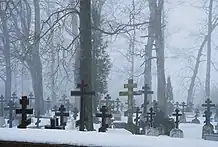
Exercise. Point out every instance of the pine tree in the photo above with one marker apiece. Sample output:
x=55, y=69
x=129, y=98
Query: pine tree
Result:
x=169, y=89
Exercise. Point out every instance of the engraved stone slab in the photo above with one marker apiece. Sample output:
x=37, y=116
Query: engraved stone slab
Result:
x=207, y=129
x=176, y=133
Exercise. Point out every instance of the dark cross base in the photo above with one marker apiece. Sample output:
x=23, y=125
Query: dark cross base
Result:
x=82, y=93
x=207, y=116
x=177, y=117
x=24, y=111
x=10, y=108
x=151, y=116
x=103, y=116
x=62, y=113
x=54, y=124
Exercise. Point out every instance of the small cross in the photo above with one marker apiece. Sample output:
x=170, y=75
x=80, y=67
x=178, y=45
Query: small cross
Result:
x=14, y=96
x=2, y=101
x=10, y=108
x=24, y=111
x=31, y=98
x=62, y=112
x=117, y=104
x=103, y=116
x=177, y=117
x=177, y=104
x=151, y=114
x=208, y=104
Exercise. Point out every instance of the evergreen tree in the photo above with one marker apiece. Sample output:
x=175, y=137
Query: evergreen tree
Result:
x=169, y=90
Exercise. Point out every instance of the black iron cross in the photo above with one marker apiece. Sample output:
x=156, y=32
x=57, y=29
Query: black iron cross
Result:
x=177, y=117
x=207, y=115
x=208, y=104
x=62, y=113
x=103, y=116
x=24, y=111
x=2, y=101
x=14, y=97
x=151, y=116
x=117, y=104
x=10, y=108
x=82, y=93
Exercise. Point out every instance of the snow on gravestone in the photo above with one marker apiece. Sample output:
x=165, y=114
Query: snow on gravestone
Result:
x=152, y=132
x=176, y=133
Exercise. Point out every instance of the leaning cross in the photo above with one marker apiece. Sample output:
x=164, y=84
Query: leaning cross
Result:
x=177, y=117
x=103, y=116
x=24, y=111
x=151, y=116
x=129, y=93
x=82, y=93
x=62, y=112
x=2, y=100
x=208, y=104
x=10, y=108
x=146, y=90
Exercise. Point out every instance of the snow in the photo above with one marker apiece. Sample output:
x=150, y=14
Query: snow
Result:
x=98, y=139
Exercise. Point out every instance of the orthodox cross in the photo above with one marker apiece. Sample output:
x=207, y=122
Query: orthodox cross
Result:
x=177, y=117
x=207, y=115
x=82, y=93
x=183, y=107
x=75, y=113
x=31, y=98
x=10, y=108
x=129, y=93
x=62, y=113
x=38, y=119
x=2, y=101
x=48, y=103
x=151, y=116
x=55, y=108
x=146, y=90
x=24, y=111
x=64, y=99
x=117, y=104
x=208, y=105
x=14, y=97
x=103, y=116
x=177, y=104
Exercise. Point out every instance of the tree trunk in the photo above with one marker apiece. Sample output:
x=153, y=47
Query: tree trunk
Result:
x=7, y=56
x=208, y=68
x=86, y=58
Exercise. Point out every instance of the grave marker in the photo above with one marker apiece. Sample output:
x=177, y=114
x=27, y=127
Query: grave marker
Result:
x=103, y=116
x=55, y=108
x=82, y=93
x=177, y=118
x=2, y=101
x=14, y=97
x=208, y=105
x=24, y=111
x=62, y=113
x=183, y=118
x=129, y=93
x=151, y=116
x=176, y=132
x=208, y=127
x=48, y=104
x=31, y=98
x=177, y=104
x=10, y=108
x=54, y=124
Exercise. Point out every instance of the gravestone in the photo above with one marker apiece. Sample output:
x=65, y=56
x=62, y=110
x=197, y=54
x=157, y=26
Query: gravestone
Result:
x=24, y=111
x=196, y=120
x=208, y=127
x=75, y=113
x=176, y=132
x=151, y=131
x=10, y=108
x=82, y=93
x=54, y=124
x=62, y=113
x=103, y=116
x=183, y=118
x=129, y=93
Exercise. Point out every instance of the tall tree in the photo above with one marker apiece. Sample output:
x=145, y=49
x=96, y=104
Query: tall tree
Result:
x=86, y=58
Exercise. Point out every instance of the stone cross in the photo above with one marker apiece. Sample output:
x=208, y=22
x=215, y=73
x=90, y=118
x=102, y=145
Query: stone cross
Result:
x=151, y=116
x=14, y=97
x=10, y=108
x=31, y=98
x=38, y=119
x=103, y=116
x=75, y=113
x=177, y=104
x=208, y=105
x=2, y=101
x=24, y=111
x=64, y=99
x=82, y=93
x=177, y=117
x=117, y=104
x=146, y=90
x=207, y=115
x=62, y=113
x=129, y=93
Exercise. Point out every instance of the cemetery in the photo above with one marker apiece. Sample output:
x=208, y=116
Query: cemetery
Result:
x=103, y=73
